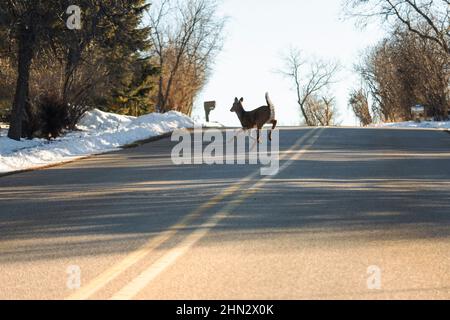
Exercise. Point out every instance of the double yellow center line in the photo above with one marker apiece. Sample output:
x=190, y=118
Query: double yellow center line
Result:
x=142, y=280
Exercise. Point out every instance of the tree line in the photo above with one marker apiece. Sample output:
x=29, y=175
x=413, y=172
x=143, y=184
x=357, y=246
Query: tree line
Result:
x=410, y=66
x=130, y=57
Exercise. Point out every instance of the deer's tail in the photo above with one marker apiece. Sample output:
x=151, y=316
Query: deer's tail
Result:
x=271, y=106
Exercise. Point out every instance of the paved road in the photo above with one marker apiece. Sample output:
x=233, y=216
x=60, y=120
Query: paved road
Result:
x=346, y=202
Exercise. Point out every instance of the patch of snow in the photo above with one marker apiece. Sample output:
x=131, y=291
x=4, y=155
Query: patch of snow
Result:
x=100, y=132
x=416, y=125
x=199, y=121
x=212, y=125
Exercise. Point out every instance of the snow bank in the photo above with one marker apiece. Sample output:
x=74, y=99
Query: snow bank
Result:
x=416, y=125
x=99, y=120
x=213, y=124
x=100, y=132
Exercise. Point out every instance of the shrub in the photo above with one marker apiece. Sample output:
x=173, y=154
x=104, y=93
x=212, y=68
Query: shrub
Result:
x=53, y=116
x=4, y=115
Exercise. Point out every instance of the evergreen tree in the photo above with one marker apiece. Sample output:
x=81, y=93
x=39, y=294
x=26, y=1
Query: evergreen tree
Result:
x=132, y=97
x=95, y=57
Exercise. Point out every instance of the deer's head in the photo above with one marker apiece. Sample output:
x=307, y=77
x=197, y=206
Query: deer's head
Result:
x=237, y=105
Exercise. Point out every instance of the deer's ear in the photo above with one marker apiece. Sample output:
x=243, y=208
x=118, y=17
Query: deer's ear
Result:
x=242, y=100
x=236, y=100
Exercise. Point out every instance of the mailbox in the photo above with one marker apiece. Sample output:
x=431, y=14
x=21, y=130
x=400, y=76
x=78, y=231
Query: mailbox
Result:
x=209, y=106
x=418, y=112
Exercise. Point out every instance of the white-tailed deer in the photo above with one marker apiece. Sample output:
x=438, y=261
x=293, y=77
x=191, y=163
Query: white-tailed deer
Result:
x=256, y=118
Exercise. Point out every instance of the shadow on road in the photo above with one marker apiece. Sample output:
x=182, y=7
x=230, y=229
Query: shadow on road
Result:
x=353, y=184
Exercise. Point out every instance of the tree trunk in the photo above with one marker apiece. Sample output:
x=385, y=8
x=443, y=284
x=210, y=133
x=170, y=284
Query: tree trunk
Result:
x=305, y=115
x=73, y=59
x=161, y=104
x=447, y=100
x=26, y=48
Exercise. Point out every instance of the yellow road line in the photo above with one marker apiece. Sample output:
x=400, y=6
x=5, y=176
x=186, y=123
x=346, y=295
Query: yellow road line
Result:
x=113, y=272
x=100, y=281
x=140, y=282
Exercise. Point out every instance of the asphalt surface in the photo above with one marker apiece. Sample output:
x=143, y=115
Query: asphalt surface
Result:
x=352, y=214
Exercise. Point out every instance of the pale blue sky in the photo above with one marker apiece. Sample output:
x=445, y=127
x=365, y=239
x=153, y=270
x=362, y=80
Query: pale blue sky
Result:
x=259, y=32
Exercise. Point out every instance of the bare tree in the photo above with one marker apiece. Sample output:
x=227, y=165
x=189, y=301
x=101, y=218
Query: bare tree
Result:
x=329, y=114
x=359, y=102
x=186, y=38
x=404, y=70
x=321, y=111
x=429, y=19
x=309, y=78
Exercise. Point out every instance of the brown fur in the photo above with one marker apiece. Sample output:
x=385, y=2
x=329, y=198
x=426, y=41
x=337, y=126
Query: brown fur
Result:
x=254, y=119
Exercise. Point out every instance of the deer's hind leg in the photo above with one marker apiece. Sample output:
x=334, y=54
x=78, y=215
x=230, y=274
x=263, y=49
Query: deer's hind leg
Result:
x=274, y=125
x=258, y=134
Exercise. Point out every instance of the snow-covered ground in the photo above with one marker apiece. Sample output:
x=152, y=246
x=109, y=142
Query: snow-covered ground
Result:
x=100, y=132
x=416, y=125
